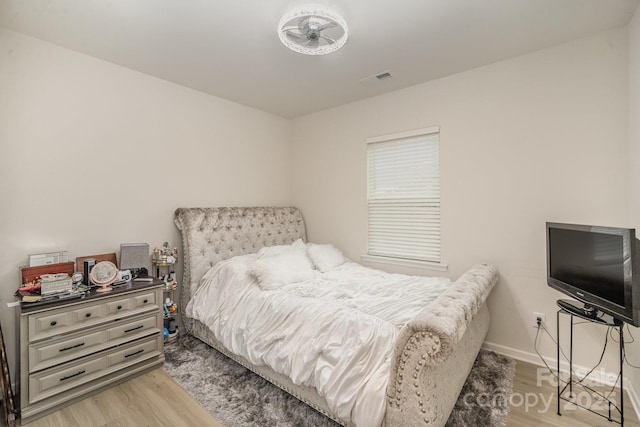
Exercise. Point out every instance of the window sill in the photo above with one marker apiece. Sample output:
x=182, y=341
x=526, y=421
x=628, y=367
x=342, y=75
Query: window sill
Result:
x=405, y=262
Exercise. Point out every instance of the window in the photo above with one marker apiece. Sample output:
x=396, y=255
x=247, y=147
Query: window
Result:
x=403, y=187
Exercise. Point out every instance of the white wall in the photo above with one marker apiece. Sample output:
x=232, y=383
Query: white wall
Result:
x=634, y=157
x=93, y=155
x=542, y=137
x=634, y=119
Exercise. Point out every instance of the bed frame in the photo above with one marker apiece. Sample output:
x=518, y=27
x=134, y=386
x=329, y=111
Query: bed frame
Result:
x=434, y=352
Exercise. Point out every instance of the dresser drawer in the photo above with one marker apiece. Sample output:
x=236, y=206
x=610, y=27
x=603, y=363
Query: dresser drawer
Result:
x=87, y=313
x=118, y=306
x=52, y=352
x=76, y=373
x=45, y=354
x=50, y=322
x=130, y=355
x=144, y=299
x=68, y=320
x=48, y=383
x=132, y=328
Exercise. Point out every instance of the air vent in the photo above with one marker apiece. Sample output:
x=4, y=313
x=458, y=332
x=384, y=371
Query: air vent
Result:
x=377, y=79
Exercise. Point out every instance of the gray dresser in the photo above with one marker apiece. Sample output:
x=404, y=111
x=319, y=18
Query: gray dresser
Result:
x=71, y=349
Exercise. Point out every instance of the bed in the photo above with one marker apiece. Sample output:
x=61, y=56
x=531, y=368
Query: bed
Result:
x=426, y=359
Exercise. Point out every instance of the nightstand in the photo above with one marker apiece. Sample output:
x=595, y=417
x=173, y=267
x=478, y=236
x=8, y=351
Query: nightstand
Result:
x=70, y=349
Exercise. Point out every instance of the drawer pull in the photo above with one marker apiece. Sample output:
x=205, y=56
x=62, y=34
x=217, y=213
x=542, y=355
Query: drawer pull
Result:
x=72, y=347
x=134, y=353
x=87, y=315
x=134, y=329
x=119, y=307
x=71, y=376
x=145, y=301
x=54, y=323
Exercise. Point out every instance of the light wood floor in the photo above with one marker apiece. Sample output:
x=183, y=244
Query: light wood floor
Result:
x=154, y=399
x=542, y=413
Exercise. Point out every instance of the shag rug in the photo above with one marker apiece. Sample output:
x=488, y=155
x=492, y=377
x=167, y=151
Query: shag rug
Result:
x=237, y=397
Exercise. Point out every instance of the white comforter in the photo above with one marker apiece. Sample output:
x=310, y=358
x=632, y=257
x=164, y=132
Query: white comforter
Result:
x=335, y=332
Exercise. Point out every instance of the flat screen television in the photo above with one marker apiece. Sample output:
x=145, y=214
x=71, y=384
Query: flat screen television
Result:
x=598, y=266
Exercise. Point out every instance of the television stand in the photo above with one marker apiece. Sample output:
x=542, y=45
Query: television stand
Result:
x=571, y=308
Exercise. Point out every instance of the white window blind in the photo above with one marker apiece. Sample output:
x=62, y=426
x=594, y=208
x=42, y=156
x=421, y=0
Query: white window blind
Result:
x=404, y=195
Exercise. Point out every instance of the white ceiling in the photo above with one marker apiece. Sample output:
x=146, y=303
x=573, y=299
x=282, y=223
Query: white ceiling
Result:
x=231, y=48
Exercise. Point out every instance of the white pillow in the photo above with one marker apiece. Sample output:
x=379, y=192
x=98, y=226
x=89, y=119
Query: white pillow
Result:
x=276, y=250
x=282, y=269
x=325, y=257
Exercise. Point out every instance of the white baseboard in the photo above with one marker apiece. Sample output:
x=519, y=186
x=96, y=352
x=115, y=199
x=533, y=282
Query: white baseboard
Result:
x=635, y=401
x=534, y=359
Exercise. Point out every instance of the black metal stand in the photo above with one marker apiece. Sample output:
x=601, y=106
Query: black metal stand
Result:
x=568, y=307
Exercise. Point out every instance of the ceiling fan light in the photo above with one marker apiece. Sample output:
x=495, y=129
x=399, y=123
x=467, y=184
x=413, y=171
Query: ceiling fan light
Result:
x=311, y=23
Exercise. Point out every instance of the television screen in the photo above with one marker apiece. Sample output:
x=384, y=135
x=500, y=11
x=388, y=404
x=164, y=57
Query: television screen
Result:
x=590, y=261
x=596, y=266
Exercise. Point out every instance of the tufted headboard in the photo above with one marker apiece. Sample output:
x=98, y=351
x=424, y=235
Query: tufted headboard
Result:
x=210, y=235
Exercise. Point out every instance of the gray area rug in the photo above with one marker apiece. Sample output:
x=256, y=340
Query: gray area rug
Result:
x=237, y=397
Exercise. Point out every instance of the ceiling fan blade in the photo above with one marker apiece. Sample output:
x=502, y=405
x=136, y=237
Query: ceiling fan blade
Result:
x=296, y=36
x=329, y=24
x=313, y=43
x=303, y=24
x=328, y=39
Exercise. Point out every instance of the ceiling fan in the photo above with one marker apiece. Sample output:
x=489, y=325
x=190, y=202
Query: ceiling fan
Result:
x=313, y=31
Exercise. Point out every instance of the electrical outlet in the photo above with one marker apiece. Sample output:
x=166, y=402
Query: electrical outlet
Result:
x=537, y=316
